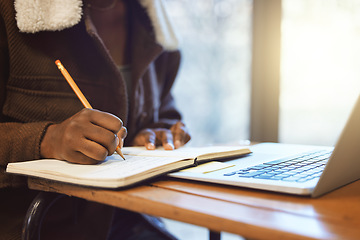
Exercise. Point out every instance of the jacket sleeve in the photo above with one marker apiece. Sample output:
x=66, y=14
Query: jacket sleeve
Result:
x=168, y=113
x=18, y=141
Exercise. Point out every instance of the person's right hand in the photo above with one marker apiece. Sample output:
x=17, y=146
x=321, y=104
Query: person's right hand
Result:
x=86, y=138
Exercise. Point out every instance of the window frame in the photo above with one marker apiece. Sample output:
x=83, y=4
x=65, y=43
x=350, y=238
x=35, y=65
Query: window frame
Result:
x=265, y=79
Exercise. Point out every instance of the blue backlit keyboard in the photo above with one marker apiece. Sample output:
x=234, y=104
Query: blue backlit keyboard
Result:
x=298, y=169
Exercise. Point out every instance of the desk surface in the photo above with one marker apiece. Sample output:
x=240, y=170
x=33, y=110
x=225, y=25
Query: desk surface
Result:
x=249, y=213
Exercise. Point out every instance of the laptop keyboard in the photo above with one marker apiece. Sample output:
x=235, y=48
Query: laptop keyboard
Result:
x=298, y=169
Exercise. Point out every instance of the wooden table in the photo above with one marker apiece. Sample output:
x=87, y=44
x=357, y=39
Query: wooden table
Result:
x=249, y=213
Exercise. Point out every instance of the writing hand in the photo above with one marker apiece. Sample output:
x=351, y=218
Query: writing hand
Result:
x=170, y=139
x=86, y=138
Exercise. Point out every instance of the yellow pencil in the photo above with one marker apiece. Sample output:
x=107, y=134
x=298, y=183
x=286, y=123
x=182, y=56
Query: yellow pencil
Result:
x=78, y=93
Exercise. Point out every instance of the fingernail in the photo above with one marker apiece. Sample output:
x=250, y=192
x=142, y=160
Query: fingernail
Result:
x=168, y=146
x=150, y=146
x=177, y=143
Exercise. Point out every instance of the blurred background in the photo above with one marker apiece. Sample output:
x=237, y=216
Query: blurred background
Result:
x=213, y=86
x=265, y=70
x=319, y=67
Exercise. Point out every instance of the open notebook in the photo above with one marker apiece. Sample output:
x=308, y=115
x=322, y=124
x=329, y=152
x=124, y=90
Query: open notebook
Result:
x=294, y=169
x=114, y=172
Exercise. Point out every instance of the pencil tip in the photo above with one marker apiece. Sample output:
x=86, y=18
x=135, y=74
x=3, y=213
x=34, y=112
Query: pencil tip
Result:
x=118, y=150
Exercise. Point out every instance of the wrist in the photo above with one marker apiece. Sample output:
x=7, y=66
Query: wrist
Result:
x=46, y=148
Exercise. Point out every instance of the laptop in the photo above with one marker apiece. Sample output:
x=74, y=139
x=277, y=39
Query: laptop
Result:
x=290, y=168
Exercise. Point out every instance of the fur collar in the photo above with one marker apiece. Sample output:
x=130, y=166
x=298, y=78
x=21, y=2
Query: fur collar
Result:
x=34, y=16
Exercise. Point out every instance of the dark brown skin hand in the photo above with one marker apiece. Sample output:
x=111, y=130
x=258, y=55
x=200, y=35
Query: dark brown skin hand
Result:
x=173, y=138
x=87, y=137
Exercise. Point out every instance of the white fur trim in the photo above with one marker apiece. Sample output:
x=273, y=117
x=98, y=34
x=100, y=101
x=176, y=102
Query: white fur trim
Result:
x=54, y=15
x=164, y=32
x=47, y=15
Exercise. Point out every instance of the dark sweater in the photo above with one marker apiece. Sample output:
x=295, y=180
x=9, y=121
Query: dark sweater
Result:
x=34, y=94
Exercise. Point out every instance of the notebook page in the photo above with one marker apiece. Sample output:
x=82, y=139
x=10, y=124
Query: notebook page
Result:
x=183, y=152
x=113, y=167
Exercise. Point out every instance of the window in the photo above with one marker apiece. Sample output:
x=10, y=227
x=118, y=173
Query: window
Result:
x=320, y=69
x=213, y=87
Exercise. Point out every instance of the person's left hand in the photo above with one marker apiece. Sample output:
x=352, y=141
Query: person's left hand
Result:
x=175, y=137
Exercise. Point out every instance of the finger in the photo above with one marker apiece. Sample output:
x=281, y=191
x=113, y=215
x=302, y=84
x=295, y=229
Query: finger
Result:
x=166, y=139
x=150, y=138
x=145, y=138
x=180, y=134
x=80, y=158
x=94, y=150
x=102, y=137
x=184, y=136
x=122, y=133
x=179, y=137
x=103, y=119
